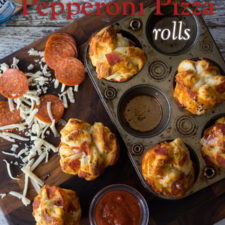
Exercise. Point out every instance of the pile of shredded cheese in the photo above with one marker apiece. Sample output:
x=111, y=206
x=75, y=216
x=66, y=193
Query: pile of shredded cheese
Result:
x=35, y=131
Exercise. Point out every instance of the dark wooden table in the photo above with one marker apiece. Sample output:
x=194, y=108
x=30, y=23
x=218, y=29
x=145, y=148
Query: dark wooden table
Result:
x=203, y=208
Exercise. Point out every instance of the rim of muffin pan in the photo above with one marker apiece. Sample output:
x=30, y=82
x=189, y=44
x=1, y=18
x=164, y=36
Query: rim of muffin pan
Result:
x=190, y=20
x=197, y=169
x=145, y=90
x=131, y=37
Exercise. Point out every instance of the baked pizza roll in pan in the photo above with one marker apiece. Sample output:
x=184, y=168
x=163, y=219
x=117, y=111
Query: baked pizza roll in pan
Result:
x=199, y=86
x=213, y=143
x=169, y=169
x=115, y=57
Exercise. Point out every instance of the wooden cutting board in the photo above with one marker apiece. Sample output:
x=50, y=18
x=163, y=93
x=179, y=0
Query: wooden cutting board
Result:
x=205, y=207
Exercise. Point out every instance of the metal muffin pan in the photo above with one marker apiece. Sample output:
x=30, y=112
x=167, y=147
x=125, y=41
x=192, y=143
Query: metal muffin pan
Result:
x=157, y=79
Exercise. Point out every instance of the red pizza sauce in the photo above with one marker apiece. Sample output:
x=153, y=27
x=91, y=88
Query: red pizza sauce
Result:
x=118, y=208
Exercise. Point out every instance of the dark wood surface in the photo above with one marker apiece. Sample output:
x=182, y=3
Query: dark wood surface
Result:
x=205, y=207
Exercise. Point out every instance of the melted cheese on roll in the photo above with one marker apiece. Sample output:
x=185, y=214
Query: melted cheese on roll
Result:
x=115, y=57
x=213, y=143
x=199, y=86
x=87, y=150
x=168, y=168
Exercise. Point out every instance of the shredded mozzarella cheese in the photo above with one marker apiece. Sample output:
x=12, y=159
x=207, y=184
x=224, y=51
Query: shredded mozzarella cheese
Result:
x=63, y=87
x=36, y=186
x=13, y=126
x=31, y=117
x=56, y=83
x=14, y=147
x=70, y=95
x=2, y=195
x=38, y=161
x=30, y=67
x=25, y=200
x=76, y=87
x=10, y=154
x=9, y=170
x=33, y=52
x=11, y=105
x=49, y=111
x=32, y=176
x=54, y=131
x=65, y=101
x=7, y=138
x=25, y=186
x=15, y=136
x=4, y=67
x=15, y=62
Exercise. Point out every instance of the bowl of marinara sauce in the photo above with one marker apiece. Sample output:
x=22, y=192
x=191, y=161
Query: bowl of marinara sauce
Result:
x=118, y=204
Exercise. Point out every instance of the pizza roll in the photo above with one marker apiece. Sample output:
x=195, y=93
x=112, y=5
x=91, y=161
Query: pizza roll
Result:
x=56, y=206
x=213, y=143
x=199, y=86
x=168, y=168
x=87, y=150
x=115, y=57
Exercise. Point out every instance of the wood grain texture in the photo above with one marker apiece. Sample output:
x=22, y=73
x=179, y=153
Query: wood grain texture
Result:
x=205, y=207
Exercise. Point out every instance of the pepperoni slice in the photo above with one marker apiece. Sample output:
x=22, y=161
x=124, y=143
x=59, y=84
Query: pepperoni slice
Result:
x=220, y=160
x=221, y=127
x=57, y=108
x=13, y=83
x=71, y=71
x=82, y=174
x=6, y=116
x=85, y=148
x=161, y=151
x=59, y=202
x=183, y=159
x=113, y=58
x=56, y=50
x=150, y=181
x=66, y=37
x=36, y=204
x=75, y=165
x=221, y=88
x=191, y=93
x=208, y=159
x=58, y=36
x=177, y=186
x=50, y=191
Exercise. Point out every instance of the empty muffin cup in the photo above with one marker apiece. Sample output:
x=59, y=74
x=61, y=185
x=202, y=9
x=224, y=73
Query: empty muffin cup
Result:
x=144, y=111
x=171, y=34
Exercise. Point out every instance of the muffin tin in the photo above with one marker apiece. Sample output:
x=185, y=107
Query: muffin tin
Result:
x=156, y=79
